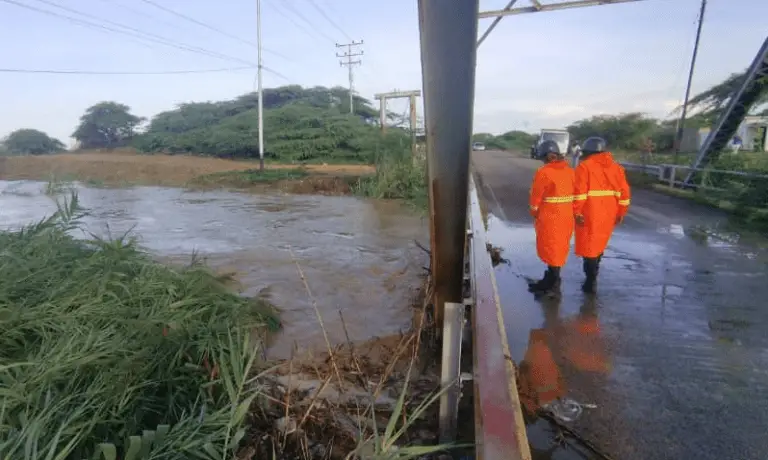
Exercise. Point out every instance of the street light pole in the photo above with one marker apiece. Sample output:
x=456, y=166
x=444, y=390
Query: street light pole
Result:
x=260, y=90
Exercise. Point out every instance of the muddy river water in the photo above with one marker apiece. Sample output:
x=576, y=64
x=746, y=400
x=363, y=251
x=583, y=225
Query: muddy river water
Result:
x=358, y=256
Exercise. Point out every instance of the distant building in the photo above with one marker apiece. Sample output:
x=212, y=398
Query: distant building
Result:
x=751, y=132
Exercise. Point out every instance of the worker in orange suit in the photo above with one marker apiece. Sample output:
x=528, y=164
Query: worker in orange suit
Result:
x=551, y=205
x=600, y=203
x=538, y=377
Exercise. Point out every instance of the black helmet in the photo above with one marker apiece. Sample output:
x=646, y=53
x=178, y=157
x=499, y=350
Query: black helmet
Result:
x=547, y=147
x=594, y=145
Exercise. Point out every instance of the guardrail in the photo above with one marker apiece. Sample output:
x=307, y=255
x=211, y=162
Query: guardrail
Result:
x=668, y=174
x=499, y=427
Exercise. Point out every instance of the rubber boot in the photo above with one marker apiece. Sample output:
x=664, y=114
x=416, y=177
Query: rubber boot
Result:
x=535, y=286
x=591, y=267
x=555, y=279
x=550, y=281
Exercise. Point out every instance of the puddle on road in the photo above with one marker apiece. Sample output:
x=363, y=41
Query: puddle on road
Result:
x=358, y=255
x=673, y=348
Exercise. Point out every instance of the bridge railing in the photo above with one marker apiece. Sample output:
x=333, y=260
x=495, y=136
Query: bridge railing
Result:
x=706, y=178
x=499, y=426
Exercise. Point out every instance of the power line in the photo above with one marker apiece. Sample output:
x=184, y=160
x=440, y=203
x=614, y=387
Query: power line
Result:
x=210, y=27
x=137, y=33
x=99, y=72
x=302, y=17
x=139, y=12
x=331, y=21
x=293, y=21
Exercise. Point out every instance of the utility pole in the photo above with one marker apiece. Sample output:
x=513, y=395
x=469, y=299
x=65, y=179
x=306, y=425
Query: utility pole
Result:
x=681, y=122
x=261, y=88
x=411, y=95
x=350, y=64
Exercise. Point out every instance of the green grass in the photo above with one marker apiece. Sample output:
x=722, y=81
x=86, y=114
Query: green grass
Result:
x=99, y=342
x=250, y=177
x=397, y=177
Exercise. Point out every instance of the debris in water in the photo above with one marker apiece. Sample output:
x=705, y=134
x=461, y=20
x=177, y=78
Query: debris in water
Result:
x=496, y=257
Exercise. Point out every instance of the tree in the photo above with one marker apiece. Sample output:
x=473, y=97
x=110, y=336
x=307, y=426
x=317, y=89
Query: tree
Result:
x=106, y=125
x=625, y=131
x=300, y=124
x=714, y=99
x=31, y=142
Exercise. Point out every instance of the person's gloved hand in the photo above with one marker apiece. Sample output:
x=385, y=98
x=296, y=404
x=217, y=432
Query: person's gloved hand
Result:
x=579, y=219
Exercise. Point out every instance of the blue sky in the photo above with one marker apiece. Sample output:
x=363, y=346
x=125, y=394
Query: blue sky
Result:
x=537, y=70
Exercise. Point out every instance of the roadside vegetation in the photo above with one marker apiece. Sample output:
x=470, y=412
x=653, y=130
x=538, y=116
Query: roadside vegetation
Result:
x=108, y=354
x=302, y=126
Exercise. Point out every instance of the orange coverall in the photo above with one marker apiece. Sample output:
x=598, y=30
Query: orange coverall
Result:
x=551, y=204
x=602, y=196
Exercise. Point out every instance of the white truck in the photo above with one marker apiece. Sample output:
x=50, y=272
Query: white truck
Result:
x=561, y=136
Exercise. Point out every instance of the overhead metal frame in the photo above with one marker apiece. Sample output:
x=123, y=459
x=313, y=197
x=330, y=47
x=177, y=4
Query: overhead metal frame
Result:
x=538, y=7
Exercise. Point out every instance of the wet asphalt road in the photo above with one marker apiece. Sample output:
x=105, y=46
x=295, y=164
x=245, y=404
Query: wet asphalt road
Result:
x=683, y=327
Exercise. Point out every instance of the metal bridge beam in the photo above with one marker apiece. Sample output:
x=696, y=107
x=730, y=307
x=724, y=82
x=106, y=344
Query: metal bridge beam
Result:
x=540, y=8
x=448, y=32
x=495, y=22
x=755, y=82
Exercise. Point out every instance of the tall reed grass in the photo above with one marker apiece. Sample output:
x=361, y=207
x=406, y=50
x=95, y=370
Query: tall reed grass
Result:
x=98, y=343
x=399, y=175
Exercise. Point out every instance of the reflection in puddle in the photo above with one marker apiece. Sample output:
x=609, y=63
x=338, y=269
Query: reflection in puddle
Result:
x=358, y=256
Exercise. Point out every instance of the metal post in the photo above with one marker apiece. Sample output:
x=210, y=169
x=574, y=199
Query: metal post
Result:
x=413, y=124
x=350, y=64
x=351, y=90
x=261, y=89
x=383, y=113
x=453, y=326
x=448, y=33
x=681, y=122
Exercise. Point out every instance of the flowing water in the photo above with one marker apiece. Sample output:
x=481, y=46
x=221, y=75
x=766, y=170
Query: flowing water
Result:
x=358, y=256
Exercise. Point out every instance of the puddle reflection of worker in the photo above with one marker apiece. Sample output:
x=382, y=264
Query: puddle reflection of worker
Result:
x=540, y=379
x=582, y=343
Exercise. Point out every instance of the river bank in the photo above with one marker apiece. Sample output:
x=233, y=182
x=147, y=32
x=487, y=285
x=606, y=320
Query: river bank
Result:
x=326, y=361
x=396, y=176
x=127, y=167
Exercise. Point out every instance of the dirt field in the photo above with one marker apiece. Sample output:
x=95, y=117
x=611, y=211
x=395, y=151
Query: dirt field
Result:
x=128, y=168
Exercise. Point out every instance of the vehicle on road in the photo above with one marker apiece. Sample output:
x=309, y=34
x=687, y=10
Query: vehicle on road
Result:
x=478, y=146
x=561, y=136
